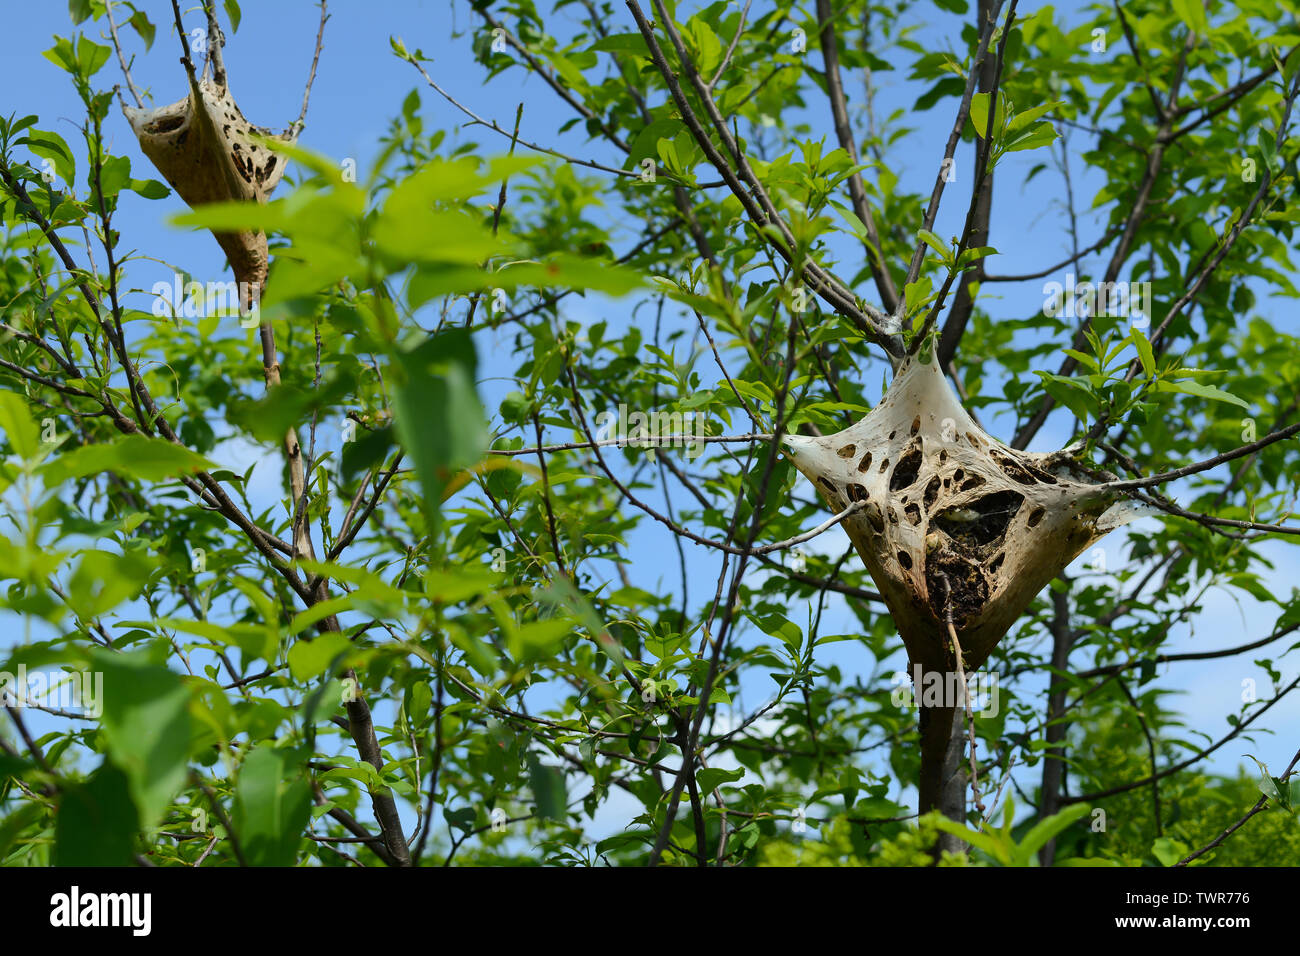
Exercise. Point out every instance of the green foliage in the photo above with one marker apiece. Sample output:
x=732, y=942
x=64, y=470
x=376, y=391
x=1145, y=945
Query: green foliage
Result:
x=841, y=844
x=97, y=822
x=272, y=806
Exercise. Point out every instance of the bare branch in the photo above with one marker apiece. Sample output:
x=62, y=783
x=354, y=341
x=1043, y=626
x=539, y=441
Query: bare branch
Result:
x=963, y=111
x=1110, y=234
x=1200, y=466
x=121, y=59
x=301, y=121
x=983, y=154
x=662, y=441
x=752, y=196
x=1184, y=764
x=1259, y=805
x=731, y=48
x=844, y=133
x=216, y=41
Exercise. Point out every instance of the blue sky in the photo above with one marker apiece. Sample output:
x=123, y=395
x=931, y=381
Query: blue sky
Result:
x=360, y=86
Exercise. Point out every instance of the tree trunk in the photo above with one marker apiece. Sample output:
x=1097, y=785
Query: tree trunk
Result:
x=1053, y=762
x=943, y=770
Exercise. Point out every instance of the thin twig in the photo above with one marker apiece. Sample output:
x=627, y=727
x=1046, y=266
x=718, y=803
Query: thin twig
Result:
x=121, y=59
x=731, y=48
x=298, y=124
x=1259, y=805
x=649, y=441
x=1200, y=466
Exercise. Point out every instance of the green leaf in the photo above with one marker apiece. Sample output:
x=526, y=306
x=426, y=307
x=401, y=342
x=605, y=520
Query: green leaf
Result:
x=234, y=216
x=1022, y=120
x=978, y=119
x=1143, y=346
x=436, y=411
x=62, y=54
x=146, y=725
x=621, y=43
x=710, y=778
x=85, y=61
x=132, y=456
x=272, y=807
x=17, y=821
x=232, y=11
x=937, y=244
x=308, y=659
x=114, y=175
x=916, y=294
x=51, y=146
x=417, y=233
x=562, y=593
x=370, y=448
x=283, y=406
x=1202, y=391
x=253, y=640
x=1193, y=14
x=978, y=252
x=1071, y=393
x=462, y=819
x=991, y=844
x=779, y=626
x=145, y=28
x=149, y=188
x=548, y=789
x=362, y=772
x=646, y=143
x=1086, y=861
x=538, y=640
x=17, y=427
x=1045, y=830
x=1088, y=360
x=97, y=822
x=104, y=579
x=1267, y=143
x=567, y=271
x=1044, y=134
x=1267, y=783
x=79, y=10
x=91, y=55
x=708, y=47
x=1168, y=851
x=444, y=180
